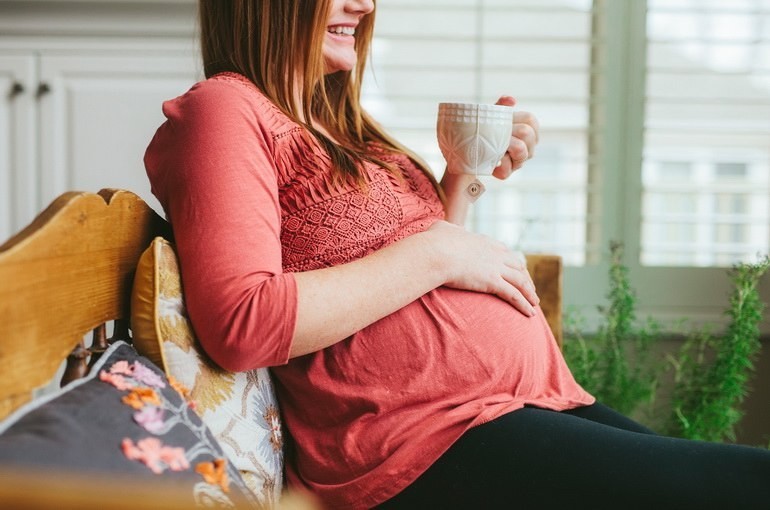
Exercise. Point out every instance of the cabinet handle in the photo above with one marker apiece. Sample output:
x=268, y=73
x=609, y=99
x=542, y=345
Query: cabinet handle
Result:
x=16, y=89
x=43, y=89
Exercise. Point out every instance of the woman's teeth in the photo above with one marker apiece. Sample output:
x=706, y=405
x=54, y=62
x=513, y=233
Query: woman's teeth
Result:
x=342, y=30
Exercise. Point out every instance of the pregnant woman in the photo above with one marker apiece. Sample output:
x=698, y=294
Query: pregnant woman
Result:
x=412, y=363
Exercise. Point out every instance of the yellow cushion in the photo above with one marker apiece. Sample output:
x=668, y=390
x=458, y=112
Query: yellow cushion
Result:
x=239, y=408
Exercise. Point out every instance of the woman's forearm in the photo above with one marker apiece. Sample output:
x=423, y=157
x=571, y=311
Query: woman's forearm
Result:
x=335, y=302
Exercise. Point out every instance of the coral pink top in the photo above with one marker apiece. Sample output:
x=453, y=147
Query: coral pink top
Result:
x=251, y=201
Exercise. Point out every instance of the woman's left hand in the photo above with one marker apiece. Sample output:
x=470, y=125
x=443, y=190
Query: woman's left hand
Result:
x=523, y=140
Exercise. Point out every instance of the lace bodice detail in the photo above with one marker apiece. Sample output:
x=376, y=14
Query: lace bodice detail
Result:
x=324, y=225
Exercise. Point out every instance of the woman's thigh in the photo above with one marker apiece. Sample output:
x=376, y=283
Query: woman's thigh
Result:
x=536, y=458
x=600, y=413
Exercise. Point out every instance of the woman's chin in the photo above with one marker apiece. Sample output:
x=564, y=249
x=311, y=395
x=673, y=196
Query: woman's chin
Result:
x=338, y=63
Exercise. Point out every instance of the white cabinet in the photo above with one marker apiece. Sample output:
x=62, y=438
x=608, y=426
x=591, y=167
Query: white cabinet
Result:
x=18, y=197
x=81, y=90
x=79, y=121
x=98, y=117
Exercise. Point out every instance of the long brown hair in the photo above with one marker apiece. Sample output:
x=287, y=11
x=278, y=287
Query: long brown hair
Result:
x=277, y=44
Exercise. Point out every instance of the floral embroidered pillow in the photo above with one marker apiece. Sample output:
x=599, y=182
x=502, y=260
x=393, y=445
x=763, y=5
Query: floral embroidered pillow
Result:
x=239, y=408
x=125, y=419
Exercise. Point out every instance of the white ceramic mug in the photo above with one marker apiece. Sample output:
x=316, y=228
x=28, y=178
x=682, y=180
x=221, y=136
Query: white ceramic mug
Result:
x=473, y=137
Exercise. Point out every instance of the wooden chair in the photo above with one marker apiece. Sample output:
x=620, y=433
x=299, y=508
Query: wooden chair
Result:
x=70, y=272
x=547, y=273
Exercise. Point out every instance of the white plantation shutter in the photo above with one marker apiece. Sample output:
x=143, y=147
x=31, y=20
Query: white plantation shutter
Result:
x=655, y=132
x=706, y=172
x=428, y=51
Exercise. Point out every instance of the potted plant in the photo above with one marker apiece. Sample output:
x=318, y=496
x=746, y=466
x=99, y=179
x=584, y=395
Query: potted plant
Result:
x=623, y=365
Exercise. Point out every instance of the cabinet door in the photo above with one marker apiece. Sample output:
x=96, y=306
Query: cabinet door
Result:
x=99, y=114
x=18, y=193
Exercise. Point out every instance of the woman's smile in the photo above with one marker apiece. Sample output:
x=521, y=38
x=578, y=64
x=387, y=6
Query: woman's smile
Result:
x=339, y=48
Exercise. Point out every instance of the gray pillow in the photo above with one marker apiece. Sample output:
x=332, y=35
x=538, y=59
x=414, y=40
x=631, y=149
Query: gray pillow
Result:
x=124, y=419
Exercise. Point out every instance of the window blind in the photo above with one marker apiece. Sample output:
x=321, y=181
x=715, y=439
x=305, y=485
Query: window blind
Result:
x=539, y=51
x=706, y=170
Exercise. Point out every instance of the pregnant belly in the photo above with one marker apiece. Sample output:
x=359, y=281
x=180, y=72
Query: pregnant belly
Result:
x=448, y=360
x=451, y=339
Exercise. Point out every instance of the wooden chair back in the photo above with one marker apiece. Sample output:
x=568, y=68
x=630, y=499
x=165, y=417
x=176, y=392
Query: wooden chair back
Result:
x=547, y=273
x=68, y=273
x=71, y=271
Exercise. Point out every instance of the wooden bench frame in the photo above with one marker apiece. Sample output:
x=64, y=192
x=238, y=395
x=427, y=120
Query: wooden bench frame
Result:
x=71, y=272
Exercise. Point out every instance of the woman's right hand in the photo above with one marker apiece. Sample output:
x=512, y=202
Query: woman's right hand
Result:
x=479, y=263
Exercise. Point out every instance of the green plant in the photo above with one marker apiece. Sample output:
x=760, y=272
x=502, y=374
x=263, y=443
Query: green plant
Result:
x=614, y=363
x=712, y=372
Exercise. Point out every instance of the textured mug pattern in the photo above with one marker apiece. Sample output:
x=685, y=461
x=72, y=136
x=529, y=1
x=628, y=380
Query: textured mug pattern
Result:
x=473, y=137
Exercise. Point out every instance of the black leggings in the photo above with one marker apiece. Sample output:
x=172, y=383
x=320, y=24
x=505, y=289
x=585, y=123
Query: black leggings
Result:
x=590, y=457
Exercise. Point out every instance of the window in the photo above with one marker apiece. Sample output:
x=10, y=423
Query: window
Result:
x=655, y=130
x=717, y=212
x=708, y=99
x=429, y=51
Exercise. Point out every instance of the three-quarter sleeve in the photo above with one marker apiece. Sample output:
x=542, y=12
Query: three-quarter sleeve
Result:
x=211, y=168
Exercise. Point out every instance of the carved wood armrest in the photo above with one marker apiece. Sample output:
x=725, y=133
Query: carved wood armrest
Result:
x=547, y=273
